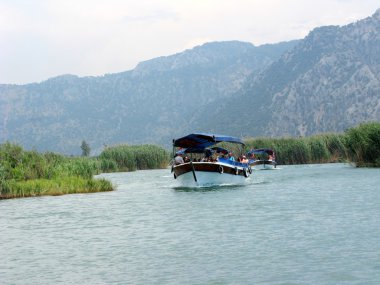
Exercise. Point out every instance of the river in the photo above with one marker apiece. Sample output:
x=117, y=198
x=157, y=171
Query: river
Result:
x=303, y=224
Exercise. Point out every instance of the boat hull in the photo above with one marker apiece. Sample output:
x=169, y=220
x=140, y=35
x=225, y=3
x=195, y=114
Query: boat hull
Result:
x=195, y=174
x=264, y=165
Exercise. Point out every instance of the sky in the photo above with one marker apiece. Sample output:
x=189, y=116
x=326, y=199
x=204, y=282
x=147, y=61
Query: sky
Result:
x=40, y=39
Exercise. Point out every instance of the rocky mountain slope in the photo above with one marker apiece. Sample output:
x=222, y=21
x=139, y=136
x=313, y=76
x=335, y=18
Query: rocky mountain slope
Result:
x=330, y=81
x=327, y=82
x=151, y=104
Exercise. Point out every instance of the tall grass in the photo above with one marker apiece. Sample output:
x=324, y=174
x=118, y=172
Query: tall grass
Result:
x=29, y=173
x=289, y=150
x=130, y=158
x=57, y=186
x=360, y=145
x=363, y=144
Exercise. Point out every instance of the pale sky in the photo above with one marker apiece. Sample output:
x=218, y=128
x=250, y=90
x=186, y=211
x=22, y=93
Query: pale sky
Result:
x=40, y=39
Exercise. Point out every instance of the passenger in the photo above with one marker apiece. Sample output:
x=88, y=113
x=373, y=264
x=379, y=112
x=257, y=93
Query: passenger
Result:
x=178, y=159
x=244, y=159
x=231, y=156
x=186, y=159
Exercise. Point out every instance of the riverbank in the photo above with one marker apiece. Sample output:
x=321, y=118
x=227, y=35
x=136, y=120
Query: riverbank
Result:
x=53, y=187
x=29, y=173
x=359, y=146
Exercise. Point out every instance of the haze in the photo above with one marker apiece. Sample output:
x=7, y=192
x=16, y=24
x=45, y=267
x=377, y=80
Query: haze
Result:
x=42, y=39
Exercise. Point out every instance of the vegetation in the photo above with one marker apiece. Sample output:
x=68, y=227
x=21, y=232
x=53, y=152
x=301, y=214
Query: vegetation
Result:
x=85, y=147
x=363, y=144
x=29, y=173
x=130, y=158
x=360, y=145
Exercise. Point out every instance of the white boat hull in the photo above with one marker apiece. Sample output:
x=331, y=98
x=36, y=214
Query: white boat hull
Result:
x=205, y=179
x=263, y=165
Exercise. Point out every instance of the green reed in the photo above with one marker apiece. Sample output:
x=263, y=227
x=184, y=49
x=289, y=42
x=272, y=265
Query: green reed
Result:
x=29, y=173
x=360, y=145
x=363, y=144
x=134, y=157
x=315, y=149
x=55, y=186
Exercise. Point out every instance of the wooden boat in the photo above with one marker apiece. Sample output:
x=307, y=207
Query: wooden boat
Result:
x=262, y=159
x=214, y=168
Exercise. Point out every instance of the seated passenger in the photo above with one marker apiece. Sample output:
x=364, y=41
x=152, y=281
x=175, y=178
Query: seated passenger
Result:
x=244, y=159
x=178, y=159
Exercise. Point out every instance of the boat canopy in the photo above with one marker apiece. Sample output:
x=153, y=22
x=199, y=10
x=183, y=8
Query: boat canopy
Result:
x=268, y=151
x=218, y=149
x=207, y=151
x=202, y=141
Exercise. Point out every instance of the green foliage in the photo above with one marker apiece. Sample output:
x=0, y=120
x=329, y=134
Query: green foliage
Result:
x=319, y=152
x=56, y=186
x=288, y=150
x=335, y=144
x=360, y=145
x=29, y=173
x=363, y=144
x=85, y=147
x=130, y=158
x=83, y=167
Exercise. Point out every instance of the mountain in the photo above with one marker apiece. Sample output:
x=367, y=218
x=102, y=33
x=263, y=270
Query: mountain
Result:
x=328, y=82
x=150, y=104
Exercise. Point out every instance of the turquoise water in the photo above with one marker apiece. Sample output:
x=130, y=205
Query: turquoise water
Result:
x=310, y=224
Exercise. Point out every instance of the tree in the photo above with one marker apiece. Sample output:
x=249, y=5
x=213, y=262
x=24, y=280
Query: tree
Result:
x=85, y=148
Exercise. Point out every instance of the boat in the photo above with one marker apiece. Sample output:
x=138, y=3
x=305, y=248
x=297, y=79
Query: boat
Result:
x=205, y=163
x=262, y=159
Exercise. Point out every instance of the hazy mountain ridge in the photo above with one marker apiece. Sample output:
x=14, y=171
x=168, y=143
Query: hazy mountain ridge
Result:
x=327, y=82
x=340, y=89
x=146, y=105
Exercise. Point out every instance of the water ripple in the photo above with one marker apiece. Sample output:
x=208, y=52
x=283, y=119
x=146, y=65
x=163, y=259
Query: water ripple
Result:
x=315, y=224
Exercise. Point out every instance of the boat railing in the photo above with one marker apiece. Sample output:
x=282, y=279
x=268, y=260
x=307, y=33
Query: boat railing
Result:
x=231, y=162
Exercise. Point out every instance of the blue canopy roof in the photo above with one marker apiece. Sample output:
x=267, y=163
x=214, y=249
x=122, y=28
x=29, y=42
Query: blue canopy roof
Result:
x=220, y=150
x=201, y=140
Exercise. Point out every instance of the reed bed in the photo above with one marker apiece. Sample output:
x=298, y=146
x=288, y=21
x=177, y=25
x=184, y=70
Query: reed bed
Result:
x=363, y=144
x=29, y=173
x=359, y=145
x=135, y=157
x=54, y=187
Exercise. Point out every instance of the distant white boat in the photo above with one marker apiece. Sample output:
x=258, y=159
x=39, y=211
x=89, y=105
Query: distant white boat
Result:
x=211, y=170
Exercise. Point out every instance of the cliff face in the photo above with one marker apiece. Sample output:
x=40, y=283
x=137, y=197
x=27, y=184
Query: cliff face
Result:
x=339, y=86
x=327, y=82
x=150, y=104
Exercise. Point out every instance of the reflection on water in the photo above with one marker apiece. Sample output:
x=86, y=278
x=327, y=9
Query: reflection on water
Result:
x=208, y=188
x=306, y=224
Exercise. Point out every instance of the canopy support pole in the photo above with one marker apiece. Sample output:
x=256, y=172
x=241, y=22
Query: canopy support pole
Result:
x=193, y=170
